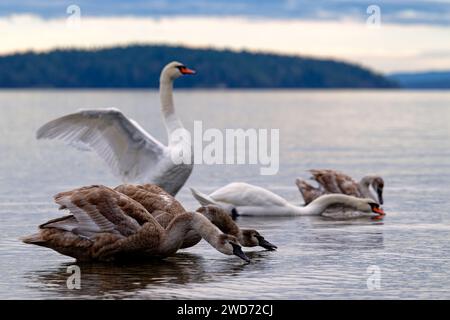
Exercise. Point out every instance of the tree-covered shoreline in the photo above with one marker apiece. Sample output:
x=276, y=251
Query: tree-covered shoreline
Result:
x=138, y=66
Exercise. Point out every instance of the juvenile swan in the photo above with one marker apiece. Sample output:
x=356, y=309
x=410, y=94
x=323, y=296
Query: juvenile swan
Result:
x=331, y=181
x=246, y=237
x=106, y=225
x=248, y=200
x=165, y=208
x=131, y=152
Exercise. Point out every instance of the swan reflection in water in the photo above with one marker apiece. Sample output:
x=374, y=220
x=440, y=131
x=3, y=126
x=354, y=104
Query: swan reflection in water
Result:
x=114, y=280
x=327, y=233
x=340, y=233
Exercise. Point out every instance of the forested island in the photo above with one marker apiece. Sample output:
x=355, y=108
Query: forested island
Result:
x=423, y=80
x=138, y=66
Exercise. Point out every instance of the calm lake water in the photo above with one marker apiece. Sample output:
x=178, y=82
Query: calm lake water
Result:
x=402, y=135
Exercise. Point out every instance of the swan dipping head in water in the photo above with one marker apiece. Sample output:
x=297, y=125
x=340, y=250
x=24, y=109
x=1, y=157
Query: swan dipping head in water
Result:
x=243, y=199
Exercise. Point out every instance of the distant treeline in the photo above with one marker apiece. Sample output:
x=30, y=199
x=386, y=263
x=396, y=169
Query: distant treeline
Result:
x=138, y=66
x=423, y=80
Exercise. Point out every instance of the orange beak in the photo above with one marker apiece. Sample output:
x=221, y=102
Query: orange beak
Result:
x=185, y=70
x=380, y=212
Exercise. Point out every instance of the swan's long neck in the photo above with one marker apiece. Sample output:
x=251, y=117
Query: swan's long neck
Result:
x=206, y=229
x=223, y=221
x=303, y=211
x=175, y=233
x=167, y=107
x=363, y=187
x=367, y=189
x=319, y=205
x=179, y=227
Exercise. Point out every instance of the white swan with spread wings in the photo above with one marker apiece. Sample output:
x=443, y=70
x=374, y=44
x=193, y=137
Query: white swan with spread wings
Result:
x=131, y=152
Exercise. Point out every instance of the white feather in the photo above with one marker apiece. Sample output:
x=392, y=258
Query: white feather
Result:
x=244, y=194
x=250, y=200
x=129, y=151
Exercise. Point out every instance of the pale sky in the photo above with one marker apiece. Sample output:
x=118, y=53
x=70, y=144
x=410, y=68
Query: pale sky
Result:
x=387, y=48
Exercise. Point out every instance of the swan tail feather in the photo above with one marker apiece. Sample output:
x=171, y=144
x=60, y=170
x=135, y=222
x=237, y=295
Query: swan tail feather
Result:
x=33, y=239
x=309, y=193
x=202, y=198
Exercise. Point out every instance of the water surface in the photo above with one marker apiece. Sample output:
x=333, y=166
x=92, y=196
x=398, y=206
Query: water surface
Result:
x=402, y=135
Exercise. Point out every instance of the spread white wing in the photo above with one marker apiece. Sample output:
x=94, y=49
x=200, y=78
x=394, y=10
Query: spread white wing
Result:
x=130, y=151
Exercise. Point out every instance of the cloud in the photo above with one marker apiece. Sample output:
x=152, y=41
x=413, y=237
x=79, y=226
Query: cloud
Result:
x=433, y=12
x=392, y=47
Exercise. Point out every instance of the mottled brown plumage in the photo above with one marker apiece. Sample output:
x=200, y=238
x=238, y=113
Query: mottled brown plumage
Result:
x=107, y=225
x=221, y=219
x=152, y=198
x=331, y=181
x=164, y=207
x=336, y=182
